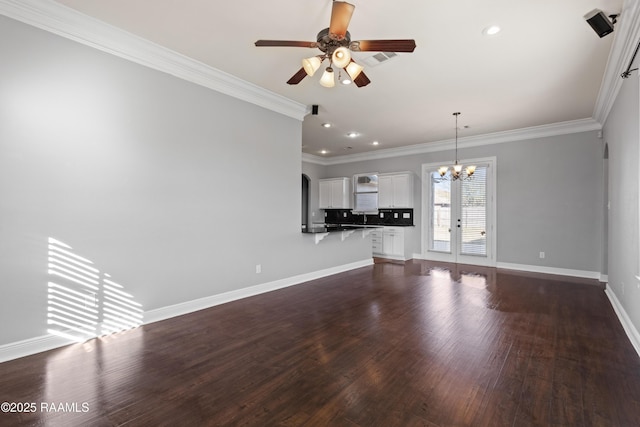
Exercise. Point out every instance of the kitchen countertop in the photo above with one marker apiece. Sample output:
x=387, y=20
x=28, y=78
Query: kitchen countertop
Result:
x=328, y=228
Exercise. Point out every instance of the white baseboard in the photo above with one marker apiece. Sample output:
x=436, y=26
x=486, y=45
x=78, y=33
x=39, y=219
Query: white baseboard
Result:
x=550, y=270
x=628, y=326
x=18, y=349
x=213, y=300
x=36, y=345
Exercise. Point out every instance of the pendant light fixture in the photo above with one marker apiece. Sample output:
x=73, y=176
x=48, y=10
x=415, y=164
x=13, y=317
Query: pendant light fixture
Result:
x=456, y=169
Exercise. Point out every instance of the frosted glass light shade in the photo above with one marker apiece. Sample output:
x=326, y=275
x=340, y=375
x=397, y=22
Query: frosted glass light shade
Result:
x=311, y=65
x=328, y=78
x=354, y=70
x=457, y=168
x=470, y=170
x=341, y=57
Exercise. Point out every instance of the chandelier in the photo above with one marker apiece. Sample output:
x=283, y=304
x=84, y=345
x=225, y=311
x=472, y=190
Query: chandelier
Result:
x=456, y=169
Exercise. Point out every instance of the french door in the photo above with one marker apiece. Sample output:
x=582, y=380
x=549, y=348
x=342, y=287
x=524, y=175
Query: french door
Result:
x=459, y=215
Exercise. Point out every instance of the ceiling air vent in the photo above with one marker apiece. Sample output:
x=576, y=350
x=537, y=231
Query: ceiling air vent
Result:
x=375, y=59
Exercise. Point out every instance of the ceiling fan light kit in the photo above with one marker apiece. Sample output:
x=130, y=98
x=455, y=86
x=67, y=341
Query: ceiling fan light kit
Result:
x=335, y=43
x=312, y=64
x=328, y=78
x=354, y=70
x=341, y=57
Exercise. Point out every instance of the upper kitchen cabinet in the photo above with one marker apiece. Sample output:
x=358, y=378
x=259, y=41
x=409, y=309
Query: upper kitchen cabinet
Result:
x=335, y=193
x=395, y=190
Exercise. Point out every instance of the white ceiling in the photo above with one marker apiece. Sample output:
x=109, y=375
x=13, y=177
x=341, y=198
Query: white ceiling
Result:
x=545, y=66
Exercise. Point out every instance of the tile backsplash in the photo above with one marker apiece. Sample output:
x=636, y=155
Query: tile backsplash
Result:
x=400, y=217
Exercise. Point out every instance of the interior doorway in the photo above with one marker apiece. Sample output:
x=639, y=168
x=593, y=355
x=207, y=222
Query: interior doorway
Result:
x=305, y=201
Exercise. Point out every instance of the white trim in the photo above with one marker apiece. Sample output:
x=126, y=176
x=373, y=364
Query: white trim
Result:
x=626, y=35
x=36, y=345
x=543, y=131
x=71, y=24
x=604, y=278
x=211, y=301
x=627, y=324
x=310, y=158
x=549, y=270
x=30, y=346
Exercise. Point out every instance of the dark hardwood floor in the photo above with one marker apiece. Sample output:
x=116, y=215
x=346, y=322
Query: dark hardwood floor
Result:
x=414, y=344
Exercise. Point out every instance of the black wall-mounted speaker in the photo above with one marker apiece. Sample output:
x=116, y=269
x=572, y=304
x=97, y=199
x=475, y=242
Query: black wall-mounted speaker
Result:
x=314, y=110
x=599, y=22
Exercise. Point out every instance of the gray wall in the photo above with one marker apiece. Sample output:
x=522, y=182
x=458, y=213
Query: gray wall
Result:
x=549, y=197
x=622, y=135
x=175, y=190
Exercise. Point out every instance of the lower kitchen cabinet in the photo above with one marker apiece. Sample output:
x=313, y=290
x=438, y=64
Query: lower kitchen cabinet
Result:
x=393, y=242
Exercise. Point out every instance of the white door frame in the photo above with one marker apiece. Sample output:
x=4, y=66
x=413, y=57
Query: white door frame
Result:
x=490, y=259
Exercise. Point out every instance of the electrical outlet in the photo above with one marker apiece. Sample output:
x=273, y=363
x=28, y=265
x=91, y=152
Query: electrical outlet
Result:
x=541, y=255
x=258, y=268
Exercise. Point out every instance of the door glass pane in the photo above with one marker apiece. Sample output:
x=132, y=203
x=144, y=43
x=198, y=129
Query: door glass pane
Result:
x=440, y=227
x=473, y=214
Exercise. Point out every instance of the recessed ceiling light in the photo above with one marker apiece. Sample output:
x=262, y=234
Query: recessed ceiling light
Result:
x=345, y=81
x=375, y=143
x=491, y=30
x=353, y=134
x=323, y=151
x=326, y=125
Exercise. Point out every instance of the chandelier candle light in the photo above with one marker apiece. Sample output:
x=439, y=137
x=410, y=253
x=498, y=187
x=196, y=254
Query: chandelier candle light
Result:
x=456, y=170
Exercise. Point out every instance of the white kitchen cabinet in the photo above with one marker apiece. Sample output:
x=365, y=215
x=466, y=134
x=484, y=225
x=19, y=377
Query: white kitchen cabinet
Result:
x=335, y=193
x=393, y=242
x=395, y=190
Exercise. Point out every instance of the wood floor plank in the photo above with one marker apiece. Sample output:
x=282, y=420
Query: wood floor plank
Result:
x=394, y=344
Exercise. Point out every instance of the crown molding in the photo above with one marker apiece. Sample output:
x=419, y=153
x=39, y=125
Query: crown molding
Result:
x=71, y=24
x=310, y=158
x=626, y=37
x=534, y=132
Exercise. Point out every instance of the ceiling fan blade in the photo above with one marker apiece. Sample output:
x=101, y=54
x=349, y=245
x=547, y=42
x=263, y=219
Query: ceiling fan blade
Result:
x=340, y=17
x=285, y=43
x=297, y=77
x=361, y=80
x=406, y=45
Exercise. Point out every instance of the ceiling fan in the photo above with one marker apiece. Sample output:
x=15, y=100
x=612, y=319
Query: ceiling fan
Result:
x=335, y=44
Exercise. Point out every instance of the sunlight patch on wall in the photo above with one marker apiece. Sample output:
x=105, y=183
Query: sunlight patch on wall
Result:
x=84, y=303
